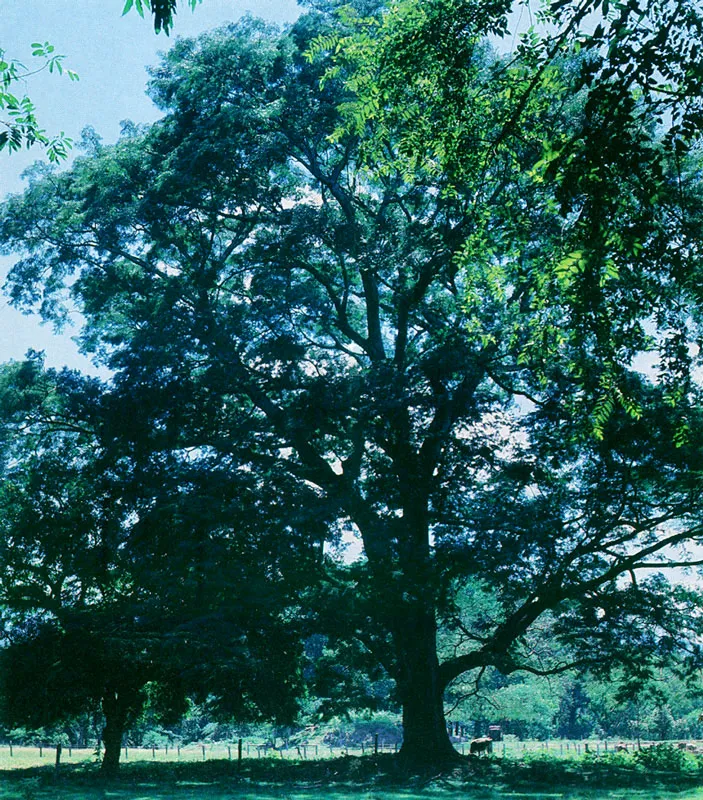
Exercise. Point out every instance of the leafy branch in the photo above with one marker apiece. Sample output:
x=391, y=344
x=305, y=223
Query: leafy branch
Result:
x=21, y=127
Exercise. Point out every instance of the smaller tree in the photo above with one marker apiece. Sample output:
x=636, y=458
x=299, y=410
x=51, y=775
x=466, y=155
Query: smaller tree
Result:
x=122, y=579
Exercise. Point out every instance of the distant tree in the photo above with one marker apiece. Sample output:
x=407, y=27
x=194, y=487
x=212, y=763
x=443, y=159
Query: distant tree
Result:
x=573, y=720
x=446, y=368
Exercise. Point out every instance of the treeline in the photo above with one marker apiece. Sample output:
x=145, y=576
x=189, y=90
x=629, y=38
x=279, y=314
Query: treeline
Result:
x=571, y=707
x=582, y=707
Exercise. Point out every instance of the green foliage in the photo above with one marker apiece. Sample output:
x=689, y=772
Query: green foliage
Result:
x=20, y=126
x=356, y=729
x=119, y=593
x=665, y=757
x=163, y=11
x=434, y=351
x=424, y=99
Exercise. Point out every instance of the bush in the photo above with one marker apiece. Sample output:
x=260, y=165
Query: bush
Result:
x=665, y=757
x=615, y=759
x=157, y=737
x=362, y=728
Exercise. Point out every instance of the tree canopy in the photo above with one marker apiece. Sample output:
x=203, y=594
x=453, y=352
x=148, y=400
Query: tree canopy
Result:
x=442, y=358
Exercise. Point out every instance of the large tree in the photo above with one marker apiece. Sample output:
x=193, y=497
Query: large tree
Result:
x=443, y=363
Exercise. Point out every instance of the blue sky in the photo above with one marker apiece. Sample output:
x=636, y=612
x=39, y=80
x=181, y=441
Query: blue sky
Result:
x=110, y=53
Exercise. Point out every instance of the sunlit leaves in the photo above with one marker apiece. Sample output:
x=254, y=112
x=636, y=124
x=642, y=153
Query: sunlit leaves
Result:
x=19, y=126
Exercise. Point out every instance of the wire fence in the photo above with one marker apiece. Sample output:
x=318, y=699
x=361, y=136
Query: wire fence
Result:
x=14, y=756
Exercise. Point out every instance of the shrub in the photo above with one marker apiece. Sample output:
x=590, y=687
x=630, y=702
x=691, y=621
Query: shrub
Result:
x=665, y=757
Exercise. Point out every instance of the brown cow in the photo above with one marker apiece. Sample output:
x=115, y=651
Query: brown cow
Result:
x=482, y=745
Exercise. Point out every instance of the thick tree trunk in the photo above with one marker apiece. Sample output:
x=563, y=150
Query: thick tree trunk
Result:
x=426, y=741
x=115, y=710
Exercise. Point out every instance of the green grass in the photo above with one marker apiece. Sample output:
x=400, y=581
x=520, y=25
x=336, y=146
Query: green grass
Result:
x=371, y=778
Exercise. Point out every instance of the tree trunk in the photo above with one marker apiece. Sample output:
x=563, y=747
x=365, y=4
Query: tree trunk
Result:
x=115, y=710
x=426, y=742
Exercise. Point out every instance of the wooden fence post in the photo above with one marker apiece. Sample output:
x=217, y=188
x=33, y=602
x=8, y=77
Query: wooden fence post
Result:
x=58, y=755
x=239, y=751
x=375, y=744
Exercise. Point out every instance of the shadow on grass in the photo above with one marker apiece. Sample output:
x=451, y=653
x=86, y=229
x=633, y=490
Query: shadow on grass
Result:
x=366, y=777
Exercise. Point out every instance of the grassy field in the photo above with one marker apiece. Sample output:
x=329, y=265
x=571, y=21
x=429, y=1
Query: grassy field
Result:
x=36, y=789
x=343, y=779
x=147, y=775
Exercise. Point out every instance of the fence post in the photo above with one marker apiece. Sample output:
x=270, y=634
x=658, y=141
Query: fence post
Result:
x=153, y=751
x=126, y=754
x=375, y=744
x=178, y=751
x=239, y=751
x=10, y=749
x=58, y=755
x=203, y=746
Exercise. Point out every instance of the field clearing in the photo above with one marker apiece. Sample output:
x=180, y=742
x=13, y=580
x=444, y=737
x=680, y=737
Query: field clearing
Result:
x=24, y=757
x=205, y=772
